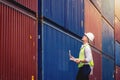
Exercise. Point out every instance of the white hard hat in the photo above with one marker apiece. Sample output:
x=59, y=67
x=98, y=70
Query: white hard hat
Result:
x=90, y=36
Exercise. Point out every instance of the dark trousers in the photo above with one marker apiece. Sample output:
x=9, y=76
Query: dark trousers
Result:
x=83, y=73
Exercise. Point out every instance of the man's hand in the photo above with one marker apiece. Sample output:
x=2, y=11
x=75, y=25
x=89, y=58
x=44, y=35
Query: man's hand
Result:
x=77, y=60
x=72, y=58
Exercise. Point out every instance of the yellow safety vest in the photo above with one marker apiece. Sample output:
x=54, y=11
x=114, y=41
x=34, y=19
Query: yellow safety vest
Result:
x=82, y=57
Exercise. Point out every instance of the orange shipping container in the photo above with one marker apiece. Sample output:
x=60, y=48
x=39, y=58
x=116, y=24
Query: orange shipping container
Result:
x=97, y=70
x=117, y=73
x=93, y=23
x=31, y=4
x=117, y=29
x=18, y=45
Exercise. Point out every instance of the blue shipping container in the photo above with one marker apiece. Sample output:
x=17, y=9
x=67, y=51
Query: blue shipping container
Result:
x=55, y=58
x=117, y=53
x=107, y=39
x=67, y=13
x=107, y=68
x=54, y=10
x=108, y=10
x=75, y=16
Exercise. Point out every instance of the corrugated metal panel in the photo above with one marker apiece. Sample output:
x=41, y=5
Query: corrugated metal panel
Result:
x=56, y=64
x=93, y=23
x=97, y=70
x=97, y=3
x=55, y=10
x=17, y=45
x=117, y=8
x=67, y=13
x=31, y=4
x=107, y=39
x=117, y=29
x=75, y=16
x=117, y=73
x=108, y=10
x=107, y=68
x=117, y=53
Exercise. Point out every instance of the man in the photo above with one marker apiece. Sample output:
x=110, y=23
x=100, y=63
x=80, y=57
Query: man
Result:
x=85, y=60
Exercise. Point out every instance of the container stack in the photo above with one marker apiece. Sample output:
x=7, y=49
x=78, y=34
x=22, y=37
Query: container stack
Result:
x=18, y=40
x=99, y=19
x=61, y=28
x=117, y=38
x=36, y=37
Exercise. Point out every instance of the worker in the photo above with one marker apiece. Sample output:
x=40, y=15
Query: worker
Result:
x=85, y=60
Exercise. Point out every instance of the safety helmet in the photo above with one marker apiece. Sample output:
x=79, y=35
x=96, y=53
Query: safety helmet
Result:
x=90, y=36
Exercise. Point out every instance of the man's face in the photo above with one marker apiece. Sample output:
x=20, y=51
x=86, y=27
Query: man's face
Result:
x=84, y=38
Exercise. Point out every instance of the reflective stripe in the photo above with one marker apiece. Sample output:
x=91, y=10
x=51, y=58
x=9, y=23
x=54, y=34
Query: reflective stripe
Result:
x=82, y=57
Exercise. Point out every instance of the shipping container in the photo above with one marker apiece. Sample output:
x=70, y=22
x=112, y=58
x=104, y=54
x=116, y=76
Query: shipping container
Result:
x=107, y=7
x=40, y=51
x=55, y=57
x=117, y=53
x=75, y=16
x=107, y=39
x=117, y=29
x=117, y=8
x=97, y=4
x=93, y=23
x=31, y=4
x=117, y=73
x=97, y=70
x=107, y=68
x=54, y=10
x=69, y=14
x=18, y=45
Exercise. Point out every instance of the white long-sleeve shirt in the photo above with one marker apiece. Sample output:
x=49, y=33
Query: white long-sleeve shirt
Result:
x=88, y=55
x=88, y=52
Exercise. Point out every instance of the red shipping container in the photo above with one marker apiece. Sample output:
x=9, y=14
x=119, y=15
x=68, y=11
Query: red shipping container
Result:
x=117, y=73
x=93, y=23
x=97, y=70
x=31, y=4
x=18, y=45
x=117, y=29
x=117, y=8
